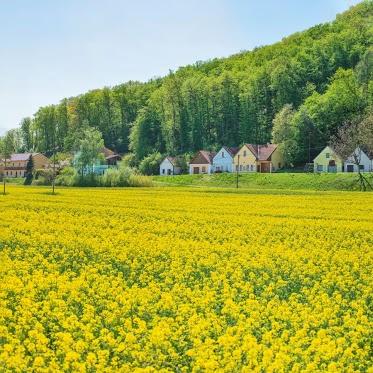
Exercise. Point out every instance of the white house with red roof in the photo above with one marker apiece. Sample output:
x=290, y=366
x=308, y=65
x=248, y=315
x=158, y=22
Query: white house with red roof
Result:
x=202, y=162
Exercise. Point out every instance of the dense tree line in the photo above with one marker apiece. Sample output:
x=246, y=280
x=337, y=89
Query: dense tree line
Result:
x=297, y=92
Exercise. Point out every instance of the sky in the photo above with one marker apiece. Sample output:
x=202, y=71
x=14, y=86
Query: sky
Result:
x=53, y=49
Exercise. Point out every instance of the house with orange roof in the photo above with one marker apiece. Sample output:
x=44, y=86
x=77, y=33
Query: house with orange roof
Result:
x=258, y=158
x=202, y=162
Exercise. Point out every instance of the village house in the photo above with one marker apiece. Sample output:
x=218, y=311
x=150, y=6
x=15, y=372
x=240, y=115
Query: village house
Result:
x=16, y=165
x=169, y=166
x=258, y=158
x=111, y=157
x=223, y=160
x=364, y=160
x=202, y=163
x=328, y=161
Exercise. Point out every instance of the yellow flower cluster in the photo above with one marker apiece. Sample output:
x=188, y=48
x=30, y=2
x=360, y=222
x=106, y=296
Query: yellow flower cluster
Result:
x=178, y=280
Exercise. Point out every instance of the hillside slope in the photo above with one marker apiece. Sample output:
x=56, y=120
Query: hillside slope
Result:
x=322, y=76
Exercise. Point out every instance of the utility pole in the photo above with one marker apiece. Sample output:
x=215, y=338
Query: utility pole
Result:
x=54, y=160
x=4, y=175
x=238, y=166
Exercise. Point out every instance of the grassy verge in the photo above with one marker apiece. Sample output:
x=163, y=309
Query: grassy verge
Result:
x=295, y=181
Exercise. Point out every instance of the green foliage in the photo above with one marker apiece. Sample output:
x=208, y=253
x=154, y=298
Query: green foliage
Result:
x=67, y=177
x=150, y=164
x=43, y=177
x=284, y=133
x=29, y=171
x=292, y=182
x=123, y=176
x=89, y=150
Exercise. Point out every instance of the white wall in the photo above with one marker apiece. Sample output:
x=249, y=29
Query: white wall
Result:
x=166, y=168
x=222, y=161
x=208, y=168
x=364, y=161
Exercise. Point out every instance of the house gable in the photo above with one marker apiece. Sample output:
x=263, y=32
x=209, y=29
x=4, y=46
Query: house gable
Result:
x=203, y=157
x=327, y=154
x=222, y=155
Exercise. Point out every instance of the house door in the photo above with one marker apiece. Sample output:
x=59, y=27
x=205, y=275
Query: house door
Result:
x=332, y=167
x=196, y=170
x=264, y=167
x=350, y=168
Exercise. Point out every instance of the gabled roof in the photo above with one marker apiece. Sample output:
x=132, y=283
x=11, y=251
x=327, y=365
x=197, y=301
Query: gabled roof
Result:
x=20, y=157
x=203, y=157
x=108, y=153
x=262, y=152
x=231, y=150
x=172, y=160
x=336, y=154
x=368, y=152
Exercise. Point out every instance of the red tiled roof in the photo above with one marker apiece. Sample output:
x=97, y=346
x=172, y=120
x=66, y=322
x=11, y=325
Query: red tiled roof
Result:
x=231, y=150
x=262, y=152
x=172, y=160
x=203, y=157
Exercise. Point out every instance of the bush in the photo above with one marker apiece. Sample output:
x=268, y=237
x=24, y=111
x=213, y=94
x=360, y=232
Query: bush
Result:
x=123, y=176
x=67, y=176
x=150, y=164
x=130, y=160
x=43, y=177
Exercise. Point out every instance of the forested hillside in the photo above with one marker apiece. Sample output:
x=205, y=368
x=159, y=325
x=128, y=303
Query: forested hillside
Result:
x=306, y=86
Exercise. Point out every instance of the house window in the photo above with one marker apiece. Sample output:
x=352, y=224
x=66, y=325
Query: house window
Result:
x=222, y=155
x=251, y=168
x=236, y=167
x=240, y=167
x=327, y=155
x=244, y=153
x=163, y=171
x=203, y=169
x=361, y=167
x=279, y=164
x=320, y=168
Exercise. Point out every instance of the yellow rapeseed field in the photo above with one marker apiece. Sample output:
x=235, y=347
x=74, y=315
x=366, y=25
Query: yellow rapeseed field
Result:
x=179, y=280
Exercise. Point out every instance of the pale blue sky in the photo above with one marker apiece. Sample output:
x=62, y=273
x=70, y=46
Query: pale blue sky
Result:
x=52, y=49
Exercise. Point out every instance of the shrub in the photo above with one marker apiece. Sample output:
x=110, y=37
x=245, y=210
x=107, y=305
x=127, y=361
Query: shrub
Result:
x=43, y=177
x=150, y=164
x=123, y=176
x=67, y=176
